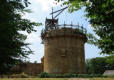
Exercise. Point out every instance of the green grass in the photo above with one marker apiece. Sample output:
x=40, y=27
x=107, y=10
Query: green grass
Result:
x=57, y=79
x=33, y=79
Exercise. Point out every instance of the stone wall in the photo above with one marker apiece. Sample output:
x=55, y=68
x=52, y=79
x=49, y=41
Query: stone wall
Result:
x=28, y=68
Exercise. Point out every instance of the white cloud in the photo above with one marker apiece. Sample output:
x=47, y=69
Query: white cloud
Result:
x=33, y=38
x=36, y=46
x=27, y=16
x=47, y=4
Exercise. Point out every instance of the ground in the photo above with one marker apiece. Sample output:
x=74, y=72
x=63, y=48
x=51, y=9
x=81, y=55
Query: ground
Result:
x=57, y=79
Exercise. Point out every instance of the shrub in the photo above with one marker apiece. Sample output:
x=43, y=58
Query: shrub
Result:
x=112, y=76
x=43, y=75
x=22, y=75
x=107, y=75
x=82, y=75
x=69, y=75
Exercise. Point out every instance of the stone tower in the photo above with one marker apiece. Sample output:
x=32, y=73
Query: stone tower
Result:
x=64, y=48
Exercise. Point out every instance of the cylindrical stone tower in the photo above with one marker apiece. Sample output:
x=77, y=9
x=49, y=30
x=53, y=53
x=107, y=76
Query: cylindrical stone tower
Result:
x=64, y=51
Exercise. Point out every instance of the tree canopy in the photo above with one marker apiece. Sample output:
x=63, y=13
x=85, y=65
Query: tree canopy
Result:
x=12, y=43
x=98, y=65
x=100, y=14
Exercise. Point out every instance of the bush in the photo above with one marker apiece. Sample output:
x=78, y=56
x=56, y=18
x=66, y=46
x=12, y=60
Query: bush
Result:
x=22, y=75
x=111, y=76
x=43, y=75
x=69, y=75
x=82, y=75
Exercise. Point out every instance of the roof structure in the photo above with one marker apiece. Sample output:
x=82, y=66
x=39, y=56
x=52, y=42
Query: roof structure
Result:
x=109, y=72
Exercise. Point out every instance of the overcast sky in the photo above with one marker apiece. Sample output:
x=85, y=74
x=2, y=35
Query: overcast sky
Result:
x=40, y=10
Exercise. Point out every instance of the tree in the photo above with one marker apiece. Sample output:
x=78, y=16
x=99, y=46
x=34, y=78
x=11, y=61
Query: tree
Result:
x=110, y=62
x=87, y=65
x=101, y=15
x=99, y=64
x=12, y=46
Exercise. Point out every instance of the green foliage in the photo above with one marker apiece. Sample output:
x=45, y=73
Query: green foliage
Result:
x=99, y=65
x=22, y=75
x=43, y=75
x=92, y=39
x=12, y=46
x=110, y=59
x=101, y=15
x=69, y=75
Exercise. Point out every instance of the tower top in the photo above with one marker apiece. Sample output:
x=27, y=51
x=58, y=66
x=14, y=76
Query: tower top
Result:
x=53, y=25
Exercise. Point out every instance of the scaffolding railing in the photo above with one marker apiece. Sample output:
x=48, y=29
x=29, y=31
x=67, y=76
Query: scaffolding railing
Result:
x=81, y=29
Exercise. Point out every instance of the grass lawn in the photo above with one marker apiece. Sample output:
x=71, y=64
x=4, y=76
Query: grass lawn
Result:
x=57, y=79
